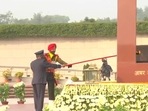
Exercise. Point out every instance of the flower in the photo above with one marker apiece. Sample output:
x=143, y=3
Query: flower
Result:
x=4, y=108
x=19, y=90
x=4, y=92
x=104, y=97
x=6, y=73
x=19, y=74
x=102, y=100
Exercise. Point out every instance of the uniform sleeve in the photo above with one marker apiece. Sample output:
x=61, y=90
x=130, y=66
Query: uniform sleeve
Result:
x=111, y=69
x=59, y=60
x=51, y=65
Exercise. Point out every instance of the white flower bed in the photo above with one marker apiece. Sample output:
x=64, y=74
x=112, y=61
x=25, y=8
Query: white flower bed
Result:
x=4, y=108
x=102, y=97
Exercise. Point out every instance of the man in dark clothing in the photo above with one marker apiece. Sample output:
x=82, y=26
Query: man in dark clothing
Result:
x=106, y=70
x=38, y=68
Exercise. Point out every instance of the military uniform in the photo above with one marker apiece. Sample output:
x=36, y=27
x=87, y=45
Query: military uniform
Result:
x=51, y=57
x=106, y=70
x=38, y=68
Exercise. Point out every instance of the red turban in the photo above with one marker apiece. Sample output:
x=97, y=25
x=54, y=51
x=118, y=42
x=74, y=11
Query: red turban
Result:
x=52, y=47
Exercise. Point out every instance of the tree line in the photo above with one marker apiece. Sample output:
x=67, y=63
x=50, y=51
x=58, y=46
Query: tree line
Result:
x=38, y=18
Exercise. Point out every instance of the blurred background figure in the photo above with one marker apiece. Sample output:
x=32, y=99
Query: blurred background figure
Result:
x=106, y=70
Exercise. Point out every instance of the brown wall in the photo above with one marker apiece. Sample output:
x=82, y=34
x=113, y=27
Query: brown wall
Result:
x=21, y=52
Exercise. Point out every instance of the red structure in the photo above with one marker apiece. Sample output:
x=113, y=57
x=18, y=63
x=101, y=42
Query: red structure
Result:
x=128, y=70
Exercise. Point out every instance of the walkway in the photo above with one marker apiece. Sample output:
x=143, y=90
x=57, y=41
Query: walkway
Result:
x=28, y=106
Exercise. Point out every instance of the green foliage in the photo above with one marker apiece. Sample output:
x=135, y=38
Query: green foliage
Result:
x=120, y=108
x=6, y=18
x=85, y=30
x=19, y=90
x=74, y=78
x=86, y=66
x=58, y=30
x=142, y=28
x=6, y=73
x=46, y=107
x=117, y=108
x=142, y=13
x=4, y=92
x=58, y=91
x=37, y=18
x=19, y=74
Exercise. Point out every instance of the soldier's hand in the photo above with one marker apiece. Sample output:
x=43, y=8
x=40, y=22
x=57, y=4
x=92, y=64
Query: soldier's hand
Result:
x=69, y=65
x=59, y=66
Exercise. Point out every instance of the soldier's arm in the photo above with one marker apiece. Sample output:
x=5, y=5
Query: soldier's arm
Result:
x=51, y=65
x=62, y=62
x=111, y=69
x=59, y=60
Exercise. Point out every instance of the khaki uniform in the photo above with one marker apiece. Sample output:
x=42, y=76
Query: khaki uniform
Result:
x=52, y=58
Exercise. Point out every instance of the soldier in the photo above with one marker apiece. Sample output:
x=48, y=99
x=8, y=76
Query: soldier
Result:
x=106, y=70
x=38, y=67
x=52, y=58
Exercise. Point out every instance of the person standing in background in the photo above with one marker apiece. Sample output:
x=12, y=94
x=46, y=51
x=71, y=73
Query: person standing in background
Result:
x=106, y=70
x=51, y=57
x=38, y=67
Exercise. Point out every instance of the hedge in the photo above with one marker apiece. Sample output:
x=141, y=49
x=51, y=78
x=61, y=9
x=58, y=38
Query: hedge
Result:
x=66, y=30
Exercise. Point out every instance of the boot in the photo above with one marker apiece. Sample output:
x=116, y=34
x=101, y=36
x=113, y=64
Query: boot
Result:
x=109, y=79
x=104, y=79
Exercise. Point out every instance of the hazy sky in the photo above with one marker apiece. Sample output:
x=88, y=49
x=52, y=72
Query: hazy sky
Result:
x=76, y=10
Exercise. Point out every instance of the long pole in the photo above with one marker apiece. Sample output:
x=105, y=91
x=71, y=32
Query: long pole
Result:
x=90, y=60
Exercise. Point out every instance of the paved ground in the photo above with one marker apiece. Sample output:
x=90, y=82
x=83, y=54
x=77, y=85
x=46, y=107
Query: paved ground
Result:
x=27, y=106
x=21, y=107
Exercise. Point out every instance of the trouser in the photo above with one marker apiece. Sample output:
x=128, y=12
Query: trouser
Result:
x=39, y=91
x=104, y=76
x=51, y=85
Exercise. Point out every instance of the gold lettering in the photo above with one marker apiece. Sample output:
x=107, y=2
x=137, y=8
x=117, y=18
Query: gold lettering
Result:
x=138, y=73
